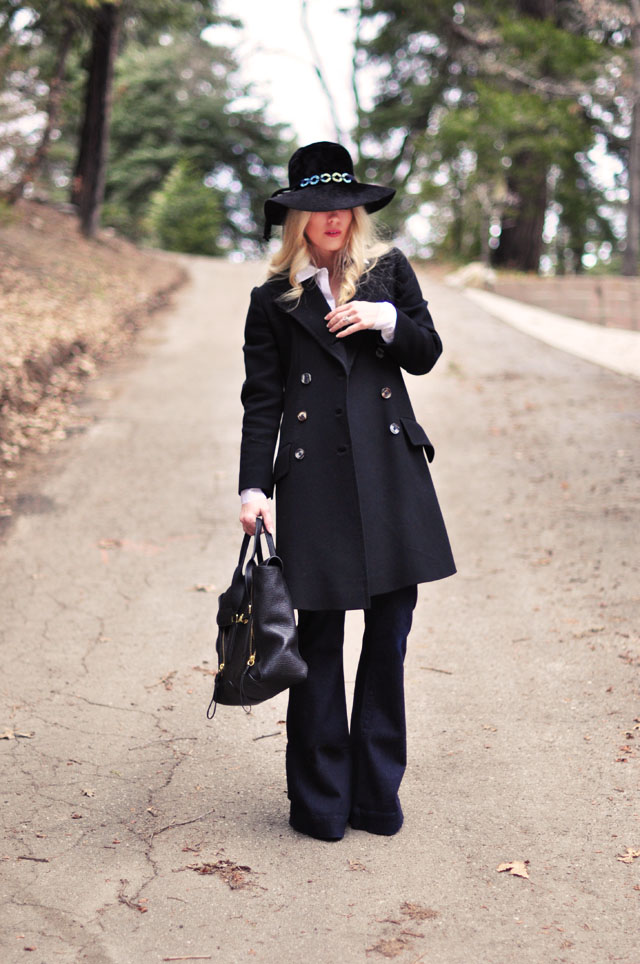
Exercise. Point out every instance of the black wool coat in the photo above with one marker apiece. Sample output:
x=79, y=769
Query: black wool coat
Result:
x=357, y=513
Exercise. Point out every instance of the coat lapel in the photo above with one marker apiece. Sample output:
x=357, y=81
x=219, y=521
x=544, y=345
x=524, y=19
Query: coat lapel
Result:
x=310, y=312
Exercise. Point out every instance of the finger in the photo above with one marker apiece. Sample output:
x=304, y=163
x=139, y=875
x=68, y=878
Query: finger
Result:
x=268, y=521
x=346, y=318
x=340, y=310
x=358, y=326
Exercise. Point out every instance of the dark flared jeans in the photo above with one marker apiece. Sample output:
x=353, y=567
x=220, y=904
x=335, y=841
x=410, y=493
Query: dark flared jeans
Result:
x=335, y=773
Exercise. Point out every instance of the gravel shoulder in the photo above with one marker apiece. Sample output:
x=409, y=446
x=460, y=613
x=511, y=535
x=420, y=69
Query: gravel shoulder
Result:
x=134, y=830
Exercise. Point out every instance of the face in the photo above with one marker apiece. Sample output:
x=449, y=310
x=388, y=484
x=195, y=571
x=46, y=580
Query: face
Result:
x=327, y=231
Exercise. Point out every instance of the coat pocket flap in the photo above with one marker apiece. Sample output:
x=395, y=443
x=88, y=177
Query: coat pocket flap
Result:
x=281, y=464
x=417, y=436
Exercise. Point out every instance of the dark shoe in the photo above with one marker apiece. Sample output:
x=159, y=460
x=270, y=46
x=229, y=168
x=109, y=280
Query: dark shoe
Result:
x=384, y=824
x=329, y=828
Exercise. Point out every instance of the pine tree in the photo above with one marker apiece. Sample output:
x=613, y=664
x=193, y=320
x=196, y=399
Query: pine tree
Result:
x=480, y=102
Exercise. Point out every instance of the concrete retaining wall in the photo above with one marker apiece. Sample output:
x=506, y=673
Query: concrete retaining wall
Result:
x=610, y=301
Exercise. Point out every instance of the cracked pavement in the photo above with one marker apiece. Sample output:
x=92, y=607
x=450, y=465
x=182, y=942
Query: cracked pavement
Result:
x=522, y=676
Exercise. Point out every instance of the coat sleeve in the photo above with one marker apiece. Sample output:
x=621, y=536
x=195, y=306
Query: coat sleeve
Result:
x=262, y=398
x=416, y=345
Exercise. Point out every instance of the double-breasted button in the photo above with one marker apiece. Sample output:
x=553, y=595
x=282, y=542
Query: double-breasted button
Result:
x=379, y=352
x=394, y=428
x=299, y=454
x=386, y=392
x=342, y=449
x=305, y=378
x=302, y=416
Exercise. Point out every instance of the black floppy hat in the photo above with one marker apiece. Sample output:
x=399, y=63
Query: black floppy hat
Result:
x=321, y=178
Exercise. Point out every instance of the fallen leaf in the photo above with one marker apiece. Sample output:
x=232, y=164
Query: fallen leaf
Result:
x=418, y=912
x=110, y=544
x=629, y=856
x=389, y=947
x=14, y=735
x=518, y=868
x=88, y=793
x=76, y=816
x=166, y=681
x=356, y=865
x=234, y=875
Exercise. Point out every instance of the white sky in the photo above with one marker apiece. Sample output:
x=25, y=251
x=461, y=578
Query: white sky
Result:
x=274, y=56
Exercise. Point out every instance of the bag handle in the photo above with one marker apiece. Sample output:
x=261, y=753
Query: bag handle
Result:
x=261, y=530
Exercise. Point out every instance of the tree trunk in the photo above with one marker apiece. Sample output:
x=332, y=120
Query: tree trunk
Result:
x=632, y=249
x=523, y=220
x=56, y=87
x=537, y=9
x=89, y=175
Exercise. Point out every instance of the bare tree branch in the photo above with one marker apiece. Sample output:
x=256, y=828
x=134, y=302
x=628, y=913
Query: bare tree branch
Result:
x=550, y=89
x=317, y=66
x=56, y=87
x=354, y=78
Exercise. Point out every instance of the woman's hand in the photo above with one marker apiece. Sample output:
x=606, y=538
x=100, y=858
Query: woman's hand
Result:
x=357, y=316
x=251, y=510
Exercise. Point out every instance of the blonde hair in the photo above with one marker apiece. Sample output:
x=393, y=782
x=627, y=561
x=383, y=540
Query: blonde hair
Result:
x=358, y=255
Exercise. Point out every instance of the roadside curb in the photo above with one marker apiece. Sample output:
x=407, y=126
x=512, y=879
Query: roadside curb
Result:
x=612, y=348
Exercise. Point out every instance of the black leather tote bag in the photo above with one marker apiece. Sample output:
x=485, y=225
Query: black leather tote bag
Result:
x=257, y=643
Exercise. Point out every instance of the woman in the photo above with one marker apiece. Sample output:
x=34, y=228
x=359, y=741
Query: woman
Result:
x=358, y=519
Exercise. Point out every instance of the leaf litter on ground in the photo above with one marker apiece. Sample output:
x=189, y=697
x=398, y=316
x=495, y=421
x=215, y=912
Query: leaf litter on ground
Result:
x=234, y=875
x=10, y=734
x=629, y=856
x=517, y=868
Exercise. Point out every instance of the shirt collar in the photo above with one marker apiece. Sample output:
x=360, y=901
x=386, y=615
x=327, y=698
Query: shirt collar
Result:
x=310, y=271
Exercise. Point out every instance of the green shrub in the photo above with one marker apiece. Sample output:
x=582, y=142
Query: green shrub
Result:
x=185, y=215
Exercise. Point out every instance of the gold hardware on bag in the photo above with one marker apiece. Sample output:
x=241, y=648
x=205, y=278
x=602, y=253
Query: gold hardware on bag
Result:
x=221, y=666
x=240, y=618
x=252, y=652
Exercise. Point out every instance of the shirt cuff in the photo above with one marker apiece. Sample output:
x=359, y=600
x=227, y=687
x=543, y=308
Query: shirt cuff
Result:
x=251, y=495
x=386, y=321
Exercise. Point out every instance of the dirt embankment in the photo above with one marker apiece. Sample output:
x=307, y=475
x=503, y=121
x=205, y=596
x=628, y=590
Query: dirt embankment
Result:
x=66, y=305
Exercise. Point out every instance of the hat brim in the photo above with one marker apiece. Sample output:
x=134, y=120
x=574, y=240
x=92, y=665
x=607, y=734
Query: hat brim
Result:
x=329, y=197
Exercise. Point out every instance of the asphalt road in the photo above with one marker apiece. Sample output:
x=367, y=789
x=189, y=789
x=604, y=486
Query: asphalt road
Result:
x=522, y=677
